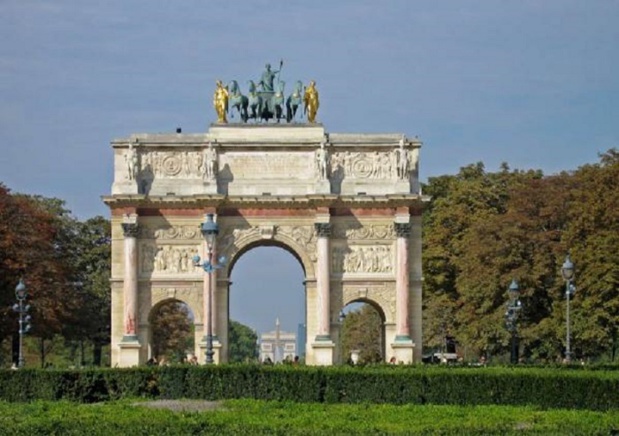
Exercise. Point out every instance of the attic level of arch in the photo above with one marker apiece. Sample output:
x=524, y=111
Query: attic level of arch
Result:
x=251, y=164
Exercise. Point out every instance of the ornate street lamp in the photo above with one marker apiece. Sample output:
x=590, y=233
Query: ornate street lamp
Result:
x=567, y=271
x=511, y=318
x=24, y=319
x=209, y=230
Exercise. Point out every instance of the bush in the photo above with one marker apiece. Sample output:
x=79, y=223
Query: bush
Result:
x=543, y=387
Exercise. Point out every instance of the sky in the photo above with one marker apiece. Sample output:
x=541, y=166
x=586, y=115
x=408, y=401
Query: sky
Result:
x=531, y=83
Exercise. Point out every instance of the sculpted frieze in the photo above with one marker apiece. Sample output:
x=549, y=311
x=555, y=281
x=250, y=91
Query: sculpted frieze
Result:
x=378, y=231
x=394, y=164
x=173, y=164
x=363, y=165
x=178, y=232
x=374, y=259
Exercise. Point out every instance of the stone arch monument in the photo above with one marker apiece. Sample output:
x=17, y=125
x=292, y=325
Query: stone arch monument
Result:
x=348, y=206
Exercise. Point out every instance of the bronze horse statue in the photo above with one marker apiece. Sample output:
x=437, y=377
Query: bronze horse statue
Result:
x=278, y=101
x=254, y=102
x=294, y=101
x=237, y=101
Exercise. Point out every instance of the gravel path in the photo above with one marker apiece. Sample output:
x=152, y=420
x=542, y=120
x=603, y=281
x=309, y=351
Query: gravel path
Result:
x=182, y=405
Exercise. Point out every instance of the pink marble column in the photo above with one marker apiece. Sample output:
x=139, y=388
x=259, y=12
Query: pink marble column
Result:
x=130, y=283
x=403, y=232
x=323, y=280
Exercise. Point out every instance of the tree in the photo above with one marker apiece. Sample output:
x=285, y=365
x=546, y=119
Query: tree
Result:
x=32, y=246
x=172, y=331
x=242, y=343
x=92, y=263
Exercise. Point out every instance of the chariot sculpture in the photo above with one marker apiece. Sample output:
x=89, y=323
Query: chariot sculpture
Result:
x=266, y=100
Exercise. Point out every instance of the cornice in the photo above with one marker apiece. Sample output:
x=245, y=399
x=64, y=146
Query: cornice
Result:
x=266, y=201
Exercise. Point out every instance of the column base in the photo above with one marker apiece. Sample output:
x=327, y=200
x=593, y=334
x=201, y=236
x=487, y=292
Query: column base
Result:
x=129, y=352
x=216, y=352
x=323, y=352
x=403, y=350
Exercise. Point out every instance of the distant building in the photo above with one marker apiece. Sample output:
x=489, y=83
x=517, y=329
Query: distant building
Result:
x=278, y=345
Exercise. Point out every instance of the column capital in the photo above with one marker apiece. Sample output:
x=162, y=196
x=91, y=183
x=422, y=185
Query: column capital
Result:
x=402, y=230
x=130, y=230
x=323, y=229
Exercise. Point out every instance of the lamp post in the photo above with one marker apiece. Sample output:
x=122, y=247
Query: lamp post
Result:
x=24, y=319
x=209, y=230
x=567, y=271
x=341, y=318
x=511, y=318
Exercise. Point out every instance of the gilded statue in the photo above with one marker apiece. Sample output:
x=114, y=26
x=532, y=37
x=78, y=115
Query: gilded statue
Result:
x=311, y=102
x=220, y=102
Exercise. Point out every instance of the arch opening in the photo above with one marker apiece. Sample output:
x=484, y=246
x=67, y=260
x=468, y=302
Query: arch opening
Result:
x=361, y=333
x=171, y=333
x=267, y=294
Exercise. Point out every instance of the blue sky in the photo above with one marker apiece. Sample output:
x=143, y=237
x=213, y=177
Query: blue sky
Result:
x=531, y=83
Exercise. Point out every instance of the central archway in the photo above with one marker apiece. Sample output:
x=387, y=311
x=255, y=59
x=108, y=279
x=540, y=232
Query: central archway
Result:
x=267, y=294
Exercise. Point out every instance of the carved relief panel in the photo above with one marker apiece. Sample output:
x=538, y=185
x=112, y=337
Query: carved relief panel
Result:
x=271, y=165
x=168, y=250
x=363, y=165
x=363, y=249
x=172, y=164
x=366, y=259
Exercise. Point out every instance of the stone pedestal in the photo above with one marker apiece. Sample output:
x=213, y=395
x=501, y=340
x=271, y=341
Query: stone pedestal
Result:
x=403, y=351
x=210, y=186
x=129, y=352
x=402, y=187
x=216, y=350
x=323, y=187
x=323, y=352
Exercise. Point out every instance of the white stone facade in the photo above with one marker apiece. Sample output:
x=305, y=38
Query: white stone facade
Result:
x=343, y=204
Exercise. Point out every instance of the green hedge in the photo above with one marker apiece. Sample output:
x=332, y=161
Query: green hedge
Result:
x=548, y=388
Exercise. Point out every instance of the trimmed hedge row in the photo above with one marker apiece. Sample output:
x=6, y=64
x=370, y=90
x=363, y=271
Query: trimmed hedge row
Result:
x=547, y=388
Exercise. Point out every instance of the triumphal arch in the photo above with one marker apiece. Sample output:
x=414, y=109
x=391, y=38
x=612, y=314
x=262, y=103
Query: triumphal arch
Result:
x=347, y=206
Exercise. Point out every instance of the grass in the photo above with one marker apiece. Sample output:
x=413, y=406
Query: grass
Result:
x=252, y=417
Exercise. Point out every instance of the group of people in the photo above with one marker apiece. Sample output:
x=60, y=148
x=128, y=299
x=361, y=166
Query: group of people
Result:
x=192, y=360
x=310, y=97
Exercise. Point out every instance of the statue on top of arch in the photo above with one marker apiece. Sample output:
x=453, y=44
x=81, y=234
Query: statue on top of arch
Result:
x=266, y=100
